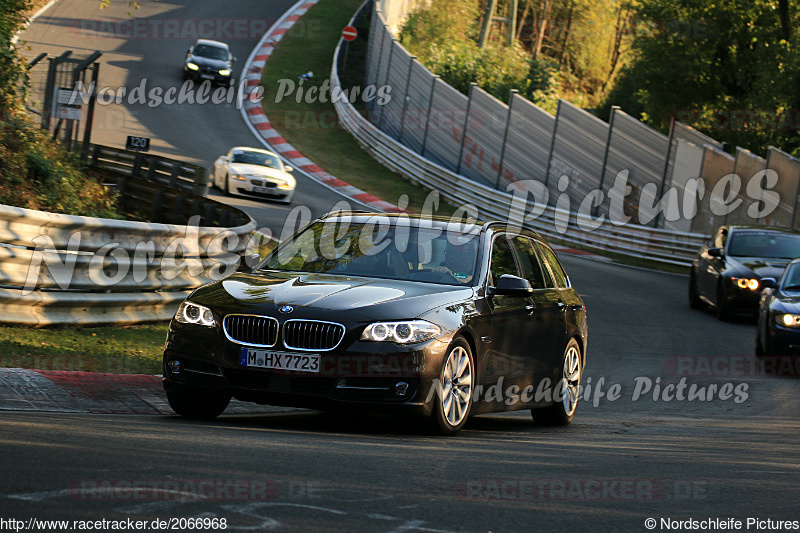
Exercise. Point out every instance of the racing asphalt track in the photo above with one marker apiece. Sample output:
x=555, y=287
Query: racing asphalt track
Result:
x=620, y=463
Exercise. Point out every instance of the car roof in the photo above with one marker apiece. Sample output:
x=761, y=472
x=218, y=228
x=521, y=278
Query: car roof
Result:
x=249, y=149
x=209, y=42
x=414, y=219
x=769, y=229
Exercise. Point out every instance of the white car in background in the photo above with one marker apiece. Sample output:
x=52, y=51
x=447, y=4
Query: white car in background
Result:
x=254, y=172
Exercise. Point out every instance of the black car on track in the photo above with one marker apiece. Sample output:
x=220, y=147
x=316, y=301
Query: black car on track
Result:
x=727, y=271
x=438, y=318
x=209, y=60
x=778, y=331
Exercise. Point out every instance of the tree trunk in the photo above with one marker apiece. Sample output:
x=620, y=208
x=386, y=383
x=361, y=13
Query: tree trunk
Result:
x=786, y=20
x=542, y=27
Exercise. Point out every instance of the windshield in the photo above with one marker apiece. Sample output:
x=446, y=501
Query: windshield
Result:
x=257, y=158
x=791, y=278
x=764, y=244
x=210, y=52
x=382, y=250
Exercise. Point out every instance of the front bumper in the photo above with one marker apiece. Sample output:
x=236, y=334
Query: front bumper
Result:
x=365, y=375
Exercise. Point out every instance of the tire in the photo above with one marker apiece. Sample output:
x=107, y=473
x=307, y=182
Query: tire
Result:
x=198, y=404
x=694, y=300
x=562, y=411
x=453, y=402
x=225, y=186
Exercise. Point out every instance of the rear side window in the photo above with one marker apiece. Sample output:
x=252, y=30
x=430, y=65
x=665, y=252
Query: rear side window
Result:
x=529, y=262
x=559, y=276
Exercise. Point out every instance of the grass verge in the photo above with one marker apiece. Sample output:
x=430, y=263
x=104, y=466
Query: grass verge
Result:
x=312, y=127
x=115, y=349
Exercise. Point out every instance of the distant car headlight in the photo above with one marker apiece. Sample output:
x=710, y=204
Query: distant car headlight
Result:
x=224, y=72
x=746, y=283
x=238, y=177
x=191, y=313
x=788, y=320
x=192, y=66
x=401, y=332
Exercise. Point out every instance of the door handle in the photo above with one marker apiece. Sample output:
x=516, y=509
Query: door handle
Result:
x=561, y=305
x=530, y=308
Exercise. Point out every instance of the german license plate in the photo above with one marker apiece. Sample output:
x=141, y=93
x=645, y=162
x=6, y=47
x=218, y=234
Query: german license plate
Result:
x=264, y=190
x=297, y=362
x=207, y=76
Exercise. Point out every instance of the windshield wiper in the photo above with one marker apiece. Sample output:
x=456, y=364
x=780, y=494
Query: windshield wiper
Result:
x=791, y=288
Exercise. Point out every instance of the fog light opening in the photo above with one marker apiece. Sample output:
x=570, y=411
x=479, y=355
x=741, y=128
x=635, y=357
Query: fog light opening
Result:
x=174, y=367
x=401, y=388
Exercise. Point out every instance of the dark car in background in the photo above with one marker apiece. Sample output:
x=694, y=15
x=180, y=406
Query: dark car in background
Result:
x=360, y=310
x=209, y=60
x=778, y=330
x=727, y=271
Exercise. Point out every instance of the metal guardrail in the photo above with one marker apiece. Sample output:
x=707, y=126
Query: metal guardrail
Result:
x=171, y=172
x=663, y=246
x=59, y=269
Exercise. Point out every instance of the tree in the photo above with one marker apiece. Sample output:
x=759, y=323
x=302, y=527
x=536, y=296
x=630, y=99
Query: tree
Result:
x=12, y=18
x=724, y=67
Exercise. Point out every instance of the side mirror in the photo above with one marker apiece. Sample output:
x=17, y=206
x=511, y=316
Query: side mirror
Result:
x=768, y=283
x=233, y=58
x=715, y=252
x=248, y=263
x=509, y=285
x=287, y=168
x=188, y=50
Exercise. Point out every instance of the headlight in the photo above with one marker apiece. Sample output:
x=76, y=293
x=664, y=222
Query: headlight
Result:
x=745, y=283
x=225, y=72
x=191, y=313
x=286, y=186
x=401, y=332
x=192, y=66
x=238, y=177
x=788, y=320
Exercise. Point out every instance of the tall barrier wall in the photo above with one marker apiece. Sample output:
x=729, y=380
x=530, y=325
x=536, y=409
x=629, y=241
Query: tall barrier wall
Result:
x=573, y=155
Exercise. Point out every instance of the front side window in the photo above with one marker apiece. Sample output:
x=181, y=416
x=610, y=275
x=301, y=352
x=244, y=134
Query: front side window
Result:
x=502, y=259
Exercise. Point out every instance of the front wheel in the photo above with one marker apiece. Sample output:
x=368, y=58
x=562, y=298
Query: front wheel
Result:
x=566, y=391
x=198, y=404
x=720, y=307
x=454, y=395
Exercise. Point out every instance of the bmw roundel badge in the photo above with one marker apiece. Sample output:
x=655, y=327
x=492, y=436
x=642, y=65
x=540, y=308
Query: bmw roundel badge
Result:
x=286, y=309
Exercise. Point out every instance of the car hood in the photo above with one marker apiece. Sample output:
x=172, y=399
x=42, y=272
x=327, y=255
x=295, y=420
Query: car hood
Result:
x=206, y=62
x=762, y=268
x=258, y=170
x=326, y=296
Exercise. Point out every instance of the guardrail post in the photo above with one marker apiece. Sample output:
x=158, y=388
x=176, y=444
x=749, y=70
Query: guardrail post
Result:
x=614, y=109
x=179, y=208
x=552, y=145
x=95, y=154
x=505, y=136
x=173, y=175
x=658, y=222
x=405, y=100
x=158, y=206
x=137, y=166
x=151, y=169
x=202, y=181
x=386, y=78
x=472, y=85
x=428, y=118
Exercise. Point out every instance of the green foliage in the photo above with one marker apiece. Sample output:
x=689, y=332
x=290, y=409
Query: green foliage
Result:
x=12, y=18
x=442, y=38
x=723, y=67
x=36, y=173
